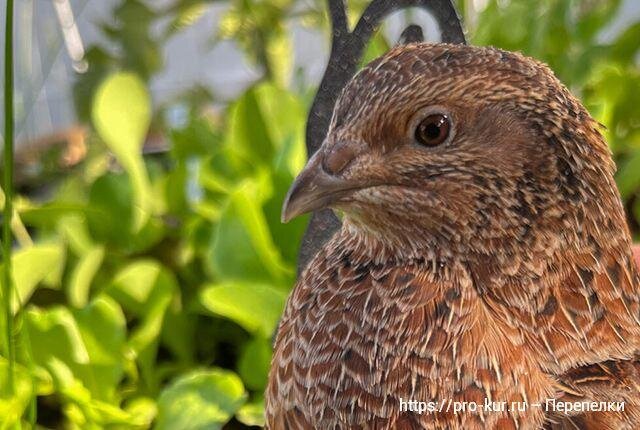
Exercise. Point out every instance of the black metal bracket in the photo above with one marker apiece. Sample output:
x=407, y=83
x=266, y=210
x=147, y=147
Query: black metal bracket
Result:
x=346, y=51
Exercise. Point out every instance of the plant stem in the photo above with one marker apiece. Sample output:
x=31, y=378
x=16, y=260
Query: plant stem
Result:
x=7, y=240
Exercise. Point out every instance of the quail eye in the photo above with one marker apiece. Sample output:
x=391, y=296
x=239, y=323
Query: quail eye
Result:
x=433, y=130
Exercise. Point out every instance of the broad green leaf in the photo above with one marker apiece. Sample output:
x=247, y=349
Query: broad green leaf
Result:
x=248, y=130
x=144, y=409
x=287, y=236
x=252, y=413
x=285, y=125
x=141, y=284
x=111, y=198
x=34, y=265
x=628, y=178
x=73, y=227
x=285, y=119
x=82, y=276
x=103, y=329
x=111, y=219
x=89, y=342
x=81, y=408
x=256, y=307
x=202, y=399
x=55, y=333
x=254, y=362
x=121, y=114
x=13, y=405
x=146, y=289
x=262, y=122
x=178, y=331
x=242, y=246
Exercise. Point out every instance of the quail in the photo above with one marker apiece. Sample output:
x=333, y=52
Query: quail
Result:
x=483, y=259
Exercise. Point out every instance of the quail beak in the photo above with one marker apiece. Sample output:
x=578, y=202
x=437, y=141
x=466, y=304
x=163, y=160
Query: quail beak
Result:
x=314, y=189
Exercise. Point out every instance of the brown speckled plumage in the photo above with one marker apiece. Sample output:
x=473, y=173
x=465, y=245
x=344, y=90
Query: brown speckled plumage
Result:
x=496, y=265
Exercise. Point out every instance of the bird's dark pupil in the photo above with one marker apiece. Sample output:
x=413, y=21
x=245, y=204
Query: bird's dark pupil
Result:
x=432, y=131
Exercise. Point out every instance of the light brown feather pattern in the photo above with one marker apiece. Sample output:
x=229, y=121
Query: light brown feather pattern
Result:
x=498, y=266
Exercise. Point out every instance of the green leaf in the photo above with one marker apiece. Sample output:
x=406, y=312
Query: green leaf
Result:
x=256, y=307
x=121, y=115
x=202, y=399
x=247, y=130
x=242, y=246
x=263, y=121
x=278, y=49
x=73, y=227
x=81, y=408
x=146, y=289
x=141, y=284
x=252, y=413
x=110, y=196
x=626, y=45
x=89, y=342
x=144, y=409
x=628, y=178
x=102, y=327
x=111, y=219
x=254, y=362
x=178, y=332
x=287, y=236
x=285, y=119
x=186, y=15
x=33, y=265
x=377, y=46
x=13, y=405
x=82, y=276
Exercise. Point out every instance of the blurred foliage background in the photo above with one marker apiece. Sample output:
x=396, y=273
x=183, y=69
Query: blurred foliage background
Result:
x=150, y=277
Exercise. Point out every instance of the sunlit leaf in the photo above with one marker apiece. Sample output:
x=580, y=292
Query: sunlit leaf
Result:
x=268, y=122
x=82, y=276
x=186, y=16
x=121, y=114
x=13, y=405
x=111, y=218
x=73, y=227
x=278, y=50
x=102, y=328
x=146, y=289
x=252, y=413
x=378, y=46
x=256, y=307
x=81, y=408
x=248, y=131
x=34, y=265
x=144, y=409
x=285, y=119
x=89, y=343
x=202, y=399
x=242, y=246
